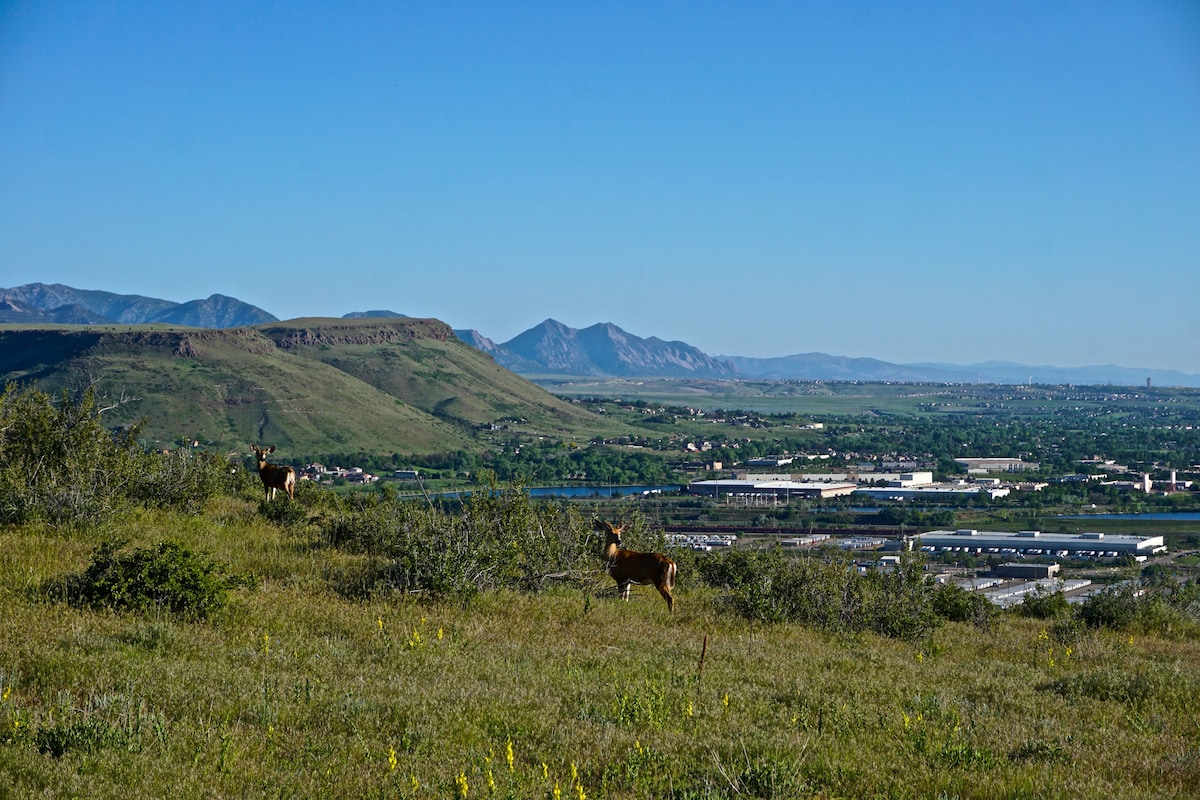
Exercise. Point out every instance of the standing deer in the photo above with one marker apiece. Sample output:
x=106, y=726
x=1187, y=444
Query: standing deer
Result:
x=274, y=476
x=628, y=567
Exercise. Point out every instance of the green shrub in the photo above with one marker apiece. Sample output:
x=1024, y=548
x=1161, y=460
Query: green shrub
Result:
x=181, y=480
x=1041, y=604
x=282, y=511
x=168, y=577
x=826, y=592
x=736, y=567
x=953, y=602
x=1111, y=608
x=501, y=539
x=57, y=462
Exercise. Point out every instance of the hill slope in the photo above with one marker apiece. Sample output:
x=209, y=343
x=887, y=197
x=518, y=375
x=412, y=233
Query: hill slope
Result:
x=309, y=386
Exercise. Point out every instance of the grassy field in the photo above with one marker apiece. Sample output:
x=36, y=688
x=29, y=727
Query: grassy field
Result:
x=307, y=686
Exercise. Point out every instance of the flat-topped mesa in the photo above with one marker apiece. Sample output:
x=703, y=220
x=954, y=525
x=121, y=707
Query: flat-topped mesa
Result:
x=316, y=332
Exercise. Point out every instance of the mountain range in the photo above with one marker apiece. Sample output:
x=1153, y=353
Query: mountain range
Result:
x=36, y=303
x=552, y=349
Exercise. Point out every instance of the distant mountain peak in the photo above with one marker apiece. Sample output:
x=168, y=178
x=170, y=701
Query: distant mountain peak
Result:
x=61, y=304
x=606, y=349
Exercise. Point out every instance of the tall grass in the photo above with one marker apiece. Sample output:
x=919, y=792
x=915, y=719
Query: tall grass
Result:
x=296, y=689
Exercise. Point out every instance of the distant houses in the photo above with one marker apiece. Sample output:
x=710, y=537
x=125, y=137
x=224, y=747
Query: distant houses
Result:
x=323, y=474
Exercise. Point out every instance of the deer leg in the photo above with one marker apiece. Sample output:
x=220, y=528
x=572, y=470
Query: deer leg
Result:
x=666, y=593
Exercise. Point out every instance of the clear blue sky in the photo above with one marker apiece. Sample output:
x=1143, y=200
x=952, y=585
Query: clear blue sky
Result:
x=912, y=181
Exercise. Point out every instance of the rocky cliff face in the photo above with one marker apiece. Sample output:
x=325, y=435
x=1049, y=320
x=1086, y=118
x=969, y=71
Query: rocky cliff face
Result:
x=310, y=333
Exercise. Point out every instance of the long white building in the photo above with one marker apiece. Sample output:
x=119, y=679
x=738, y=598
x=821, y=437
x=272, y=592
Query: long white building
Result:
x=770, y=485
x=1042, y=543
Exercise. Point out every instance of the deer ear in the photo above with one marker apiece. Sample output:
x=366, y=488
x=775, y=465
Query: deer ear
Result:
x=602, y=525
x=271, y=449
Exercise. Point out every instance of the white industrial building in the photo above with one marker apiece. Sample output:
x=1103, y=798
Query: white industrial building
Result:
x=979, y=466
x=770, y=486
x=1013, y=594
x=1039, y=543
x=932, y=493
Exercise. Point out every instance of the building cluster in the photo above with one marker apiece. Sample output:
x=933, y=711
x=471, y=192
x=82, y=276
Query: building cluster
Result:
x=778, y=487
x=982, y=466
x=323, y=474
x=702, y=541
x=1008, y=583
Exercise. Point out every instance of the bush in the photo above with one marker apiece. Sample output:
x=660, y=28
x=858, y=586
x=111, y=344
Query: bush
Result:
x=181, y=480
x=827, y=593
x=57, y=462
x=167, y=576
x=1110, y=608
x=60, y=465
x=1041, y=604
x=952, y=602
x=501, y=539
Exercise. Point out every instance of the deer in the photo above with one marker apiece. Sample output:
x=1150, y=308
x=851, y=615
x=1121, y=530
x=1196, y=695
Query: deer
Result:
x=628, y=567
x=274, y=476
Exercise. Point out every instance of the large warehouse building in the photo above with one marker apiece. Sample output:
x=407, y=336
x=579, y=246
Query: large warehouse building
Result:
x=1095, y=545
x=770, y=486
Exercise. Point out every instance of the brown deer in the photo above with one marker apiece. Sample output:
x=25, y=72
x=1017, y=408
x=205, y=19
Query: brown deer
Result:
x=628, y=567
x=274, y=476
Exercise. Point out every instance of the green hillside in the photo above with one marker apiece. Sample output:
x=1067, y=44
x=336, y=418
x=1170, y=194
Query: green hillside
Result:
x=308, y=386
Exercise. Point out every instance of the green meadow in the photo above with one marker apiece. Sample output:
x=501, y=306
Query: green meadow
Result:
x=310, y=683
